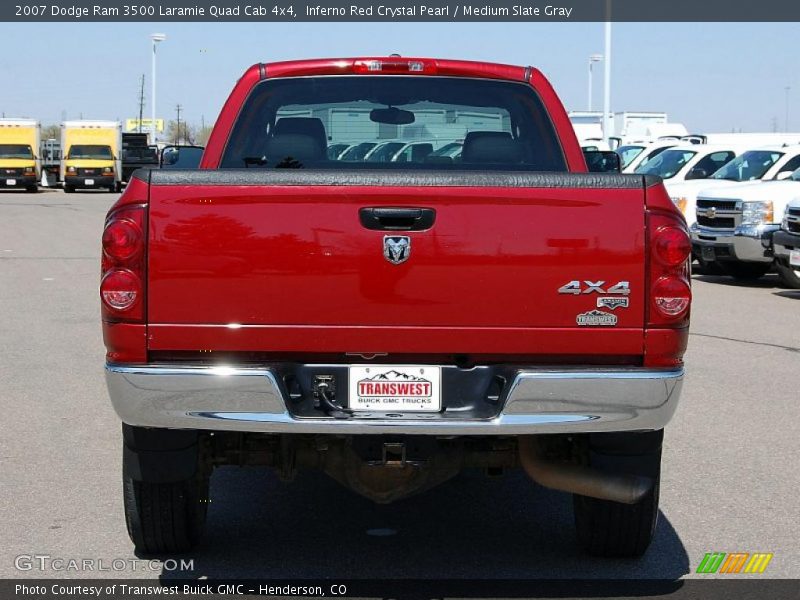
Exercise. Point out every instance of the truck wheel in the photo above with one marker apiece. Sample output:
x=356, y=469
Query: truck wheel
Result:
x=165, y=492
x=745, y=271
x=613, y=529
x=789, y=275
x=32, y=189
x=68, y=189
x=165, y=518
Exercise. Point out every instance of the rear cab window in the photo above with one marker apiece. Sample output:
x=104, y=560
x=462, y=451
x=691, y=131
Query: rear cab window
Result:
x=394, y=122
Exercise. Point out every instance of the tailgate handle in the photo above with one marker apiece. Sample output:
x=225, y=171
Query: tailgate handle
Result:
x=397, y=219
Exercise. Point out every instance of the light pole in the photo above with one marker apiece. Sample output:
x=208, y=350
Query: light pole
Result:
x=607, y=76
x=156, y=38
x=593, y=58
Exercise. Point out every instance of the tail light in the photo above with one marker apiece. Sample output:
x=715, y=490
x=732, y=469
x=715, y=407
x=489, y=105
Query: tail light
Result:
x=120, y=289
x=29, y=171
x=670, y=252
x=122, y=285
x=672, y=246
x=671, y=296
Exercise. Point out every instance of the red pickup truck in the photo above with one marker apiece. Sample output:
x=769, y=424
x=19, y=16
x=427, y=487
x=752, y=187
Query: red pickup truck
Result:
x=392, y=317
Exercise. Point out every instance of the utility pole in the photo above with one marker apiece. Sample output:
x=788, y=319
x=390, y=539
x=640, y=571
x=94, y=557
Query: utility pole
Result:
x=607, y=76
x=141, y=103
x=178, y=110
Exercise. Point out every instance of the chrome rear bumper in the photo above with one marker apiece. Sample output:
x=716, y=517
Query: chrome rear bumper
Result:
x=254, y=400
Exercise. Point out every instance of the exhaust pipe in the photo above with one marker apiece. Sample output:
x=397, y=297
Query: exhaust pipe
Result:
x=577, y=479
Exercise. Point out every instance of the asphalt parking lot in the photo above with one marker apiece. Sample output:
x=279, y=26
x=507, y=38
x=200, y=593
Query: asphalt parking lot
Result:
x=730, y=464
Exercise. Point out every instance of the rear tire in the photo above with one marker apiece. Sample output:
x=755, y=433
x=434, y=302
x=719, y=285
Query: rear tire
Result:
x=165, y=489
x=68, y=189
x=165, y=518
x=789, y=275
x=613, y=529
x=745, y=271
x=32, y=189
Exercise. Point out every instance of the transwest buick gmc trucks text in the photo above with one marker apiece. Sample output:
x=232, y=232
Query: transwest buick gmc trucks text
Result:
x=392, y=323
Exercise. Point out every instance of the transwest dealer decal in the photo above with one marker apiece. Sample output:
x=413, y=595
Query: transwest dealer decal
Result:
x=394, y=384
x=596, y=317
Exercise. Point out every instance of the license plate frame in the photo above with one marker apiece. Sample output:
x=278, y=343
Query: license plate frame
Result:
x=394, y=388
x=88, y=182
x=11, y=182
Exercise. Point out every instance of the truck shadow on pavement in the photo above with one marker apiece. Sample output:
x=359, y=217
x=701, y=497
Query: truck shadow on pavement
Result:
x=470, y=527
x=792, y=294
x=770, y=280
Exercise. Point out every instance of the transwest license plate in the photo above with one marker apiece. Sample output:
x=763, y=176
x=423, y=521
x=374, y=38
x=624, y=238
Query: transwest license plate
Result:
x=794, y=258
x=88, y=181
x=11, y=182
x=393, y=388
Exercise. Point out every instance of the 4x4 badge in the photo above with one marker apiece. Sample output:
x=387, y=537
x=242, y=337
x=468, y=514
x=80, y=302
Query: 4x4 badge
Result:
x=396, y=248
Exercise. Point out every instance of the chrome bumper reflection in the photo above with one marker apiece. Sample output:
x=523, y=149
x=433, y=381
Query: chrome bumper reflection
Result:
x=745, y=243
x=252, y=399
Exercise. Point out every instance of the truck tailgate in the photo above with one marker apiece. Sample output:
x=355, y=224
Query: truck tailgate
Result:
x=267, y=251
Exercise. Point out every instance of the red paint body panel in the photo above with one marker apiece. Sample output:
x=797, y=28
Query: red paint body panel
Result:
x=665, y=347
x=125, y=342
x=398, y=340
x=495, y=257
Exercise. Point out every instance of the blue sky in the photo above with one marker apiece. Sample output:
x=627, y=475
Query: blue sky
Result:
x=712, y=77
